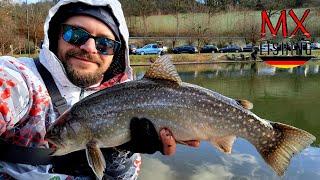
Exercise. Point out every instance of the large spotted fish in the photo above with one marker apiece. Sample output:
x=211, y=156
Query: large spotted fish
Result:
x=191, y=112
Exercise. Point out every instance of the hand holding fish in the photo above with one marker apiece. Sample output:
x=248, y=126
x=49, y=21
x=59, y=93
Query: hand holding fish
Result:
x=169, y=143
x=146, y=139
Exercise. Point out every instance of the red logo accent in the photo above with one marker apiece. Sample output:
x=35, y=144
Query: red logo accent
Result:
x=283, y=21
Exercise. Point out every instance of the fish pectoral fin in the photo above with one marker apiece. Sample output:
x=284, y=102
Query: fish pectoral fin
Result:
x=163, y=69
x=224, y=144
x=95, y=158
x=245, y=103
x=181, y=142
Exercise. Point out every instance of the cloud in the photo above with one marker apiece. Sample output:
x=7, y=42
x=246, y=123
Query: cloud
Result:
x=209, y=164
x=234, y=166
x=239, y=159
x=210, y=172
x=24, y=1
x=155, y=169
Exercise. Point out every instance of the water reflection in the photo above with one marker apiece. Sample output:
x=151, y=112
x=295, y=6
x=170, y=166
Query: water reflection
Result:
x=237, y=69
x=290, y=96
x=206, y=163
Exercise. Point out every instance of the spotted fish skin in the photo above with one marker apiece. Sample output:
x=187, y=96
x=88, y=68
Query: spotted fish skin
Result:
x=191, y=112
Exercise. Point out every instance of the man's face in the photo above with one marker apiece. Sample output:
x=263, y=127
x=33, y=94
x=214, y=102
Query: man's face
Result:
x=84, y=65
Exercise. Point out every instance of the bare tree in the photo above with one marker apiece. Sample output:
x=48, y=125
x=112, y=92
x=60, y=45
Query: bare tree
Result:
x=4, y=3
x=211, y=8
x=37, y=14
x=7, y=29
x=177, y=7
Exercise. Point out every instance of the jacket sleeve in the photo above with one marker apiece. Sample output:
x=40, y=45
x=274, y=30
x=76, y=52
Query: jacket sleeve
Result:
x=14, y=93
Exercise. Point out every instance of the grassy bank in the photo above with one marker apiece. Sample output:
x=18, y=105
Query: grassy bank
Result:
x=176, y=58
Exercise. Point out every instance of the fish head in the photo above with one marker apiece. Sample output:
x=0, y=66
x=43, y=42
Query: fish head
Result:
x=54, y=136
x=66, y=134
x=57, y=133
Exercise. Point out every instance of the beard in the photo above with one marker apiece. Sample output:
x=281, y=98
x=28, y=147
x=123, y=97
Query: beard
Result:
x=77, y=77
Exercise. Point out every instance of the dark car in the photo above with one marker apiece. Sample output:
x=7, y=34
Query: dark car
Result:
x=230, y=48
x=248, y=48
x=132, y=49
x=209, y=49
x=185, y=49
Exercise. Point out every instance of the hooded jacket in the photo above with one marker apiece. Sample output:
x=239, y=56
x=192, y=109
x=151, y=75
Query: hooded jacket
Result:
x=26, y=110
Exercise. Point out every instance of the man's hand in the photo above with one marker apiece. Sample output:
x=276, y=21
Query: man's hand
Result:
x=169, y=143
x=145, y=139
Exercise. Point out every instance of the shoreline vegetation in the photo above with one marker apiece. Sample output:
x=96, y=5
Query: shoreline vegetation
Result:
x=201, y=58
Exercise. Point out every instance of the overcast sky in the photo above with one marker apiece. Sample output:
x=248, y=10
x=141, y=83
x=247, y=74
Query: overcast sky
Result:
x=29, y=1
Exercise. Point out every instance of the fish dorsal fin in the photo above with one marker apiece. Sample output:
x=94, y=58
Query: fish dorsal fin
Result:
x=245, y=103
x=163, y=69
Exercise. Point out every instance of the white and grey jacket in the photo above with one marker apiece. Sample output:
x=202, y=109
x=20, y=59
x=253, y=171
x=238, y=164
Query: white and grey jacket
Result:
x=26, y=110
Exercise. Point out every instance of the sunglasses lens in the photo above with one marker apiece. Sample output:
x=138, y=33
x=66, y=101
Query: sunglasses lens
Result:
x=106, y=46
x=78, y=36
x=74, y=35
x=67, y=35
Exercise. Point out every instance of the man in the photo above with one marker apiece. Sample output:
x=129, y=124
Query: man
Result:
x=85, y=49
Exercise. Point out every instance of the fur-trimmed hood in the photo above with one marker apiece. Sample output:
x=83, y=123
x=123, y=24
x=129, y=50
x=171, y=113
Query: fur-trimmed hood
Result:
x=53, y=64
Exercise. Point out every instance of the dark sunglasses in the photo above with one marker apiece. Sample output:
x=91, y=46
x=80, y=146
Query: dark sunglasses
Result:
x=78, y=36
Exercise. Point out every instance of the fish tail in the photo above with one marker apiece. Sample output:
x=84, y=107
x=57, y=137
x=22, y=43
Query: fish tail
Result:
x=282, y=144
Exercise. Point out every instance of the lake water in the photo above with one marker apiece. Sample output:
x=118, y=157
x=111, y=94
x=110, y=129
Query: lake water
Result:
x=291, y=96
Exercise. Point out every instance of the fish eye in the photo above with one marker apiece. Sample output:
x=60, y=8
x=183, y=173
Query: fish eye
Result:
x=55, y=131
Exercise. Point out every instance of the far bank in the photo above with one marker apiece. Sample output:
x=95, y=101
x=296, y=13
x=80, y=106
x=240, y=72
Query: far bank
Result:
x=199, y=58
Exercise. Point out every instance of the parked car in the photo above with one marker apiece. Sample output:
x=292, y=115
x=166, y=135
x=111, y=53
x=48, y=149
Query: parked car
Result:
x=209, y=49
x=315, y=45
x=149, y=49
x=230, y=48
x=132, y=49
x=164, y=48
x=185, y=49
x=264, y=47
x=248, y=48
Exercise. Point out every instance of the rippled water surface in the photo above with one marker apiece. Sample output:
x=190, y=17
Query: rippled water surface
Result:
x=291, y=96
